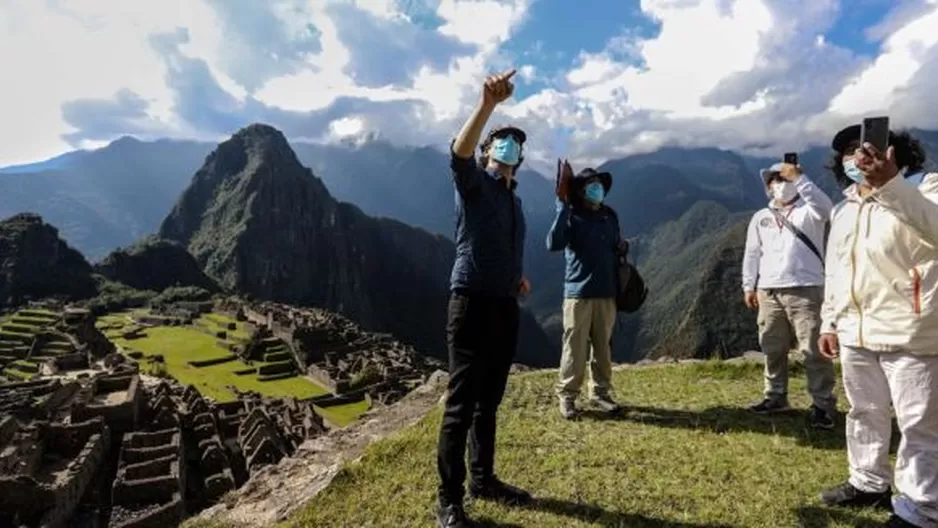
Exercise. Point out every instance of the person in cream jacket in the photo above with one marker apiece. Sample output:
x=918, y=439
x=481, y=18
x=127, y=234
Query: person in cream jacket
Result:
x=880, y=316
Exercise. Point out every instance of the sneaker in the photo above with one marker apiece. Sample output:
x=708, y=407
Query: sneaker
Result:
x=452, y=516
x=568, y=409
x=770, y=405
x=819, y=418
x=898, y=522
x=847, y=495
x=606, y=403
x=499, y=491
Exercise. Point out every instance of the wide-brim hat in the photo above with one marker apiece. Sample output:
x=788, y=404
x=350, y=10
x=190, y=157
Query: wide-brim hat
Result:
x=850, y=134
x=586, y=174
x=766, y=174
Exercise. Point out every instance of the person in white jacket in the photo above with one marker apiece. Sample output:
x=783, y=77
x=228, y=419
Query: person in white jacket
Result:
x=880, y=316
x=783, y=278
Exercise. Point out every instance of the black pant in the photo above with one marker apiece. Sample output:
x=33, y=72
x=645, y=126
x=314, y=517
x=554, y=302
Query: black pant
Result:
x=482, y=335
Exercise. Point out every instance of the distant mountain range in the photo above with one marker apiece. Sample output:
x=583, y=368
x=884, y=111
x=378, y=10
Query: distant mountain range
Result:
x=682, y=207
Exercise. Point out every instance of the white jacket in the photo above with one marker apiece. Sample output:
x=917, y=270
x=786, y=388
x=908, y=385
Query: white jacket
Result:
x=881, y=288
x=774, y=257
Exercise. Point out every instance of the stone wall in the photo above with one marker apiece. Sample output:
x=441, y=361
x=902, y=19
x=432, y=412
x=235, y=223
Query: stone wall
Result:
x=118, y=398
x=150, y=484
x=49, y=467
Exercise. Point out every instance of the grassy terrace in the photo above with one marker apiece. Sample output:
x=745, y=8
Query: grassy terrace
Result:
x=17, y=331
x=684, y=454
x=180, y=345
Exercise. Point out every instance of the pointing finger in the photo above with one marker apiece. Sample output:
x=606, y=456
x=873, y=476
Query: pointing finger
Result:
x=509, y=74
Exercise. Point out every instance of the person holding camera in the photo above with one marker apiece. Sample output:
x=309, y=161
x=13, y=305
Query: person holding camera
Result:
x=783, y=279
x=587, y=231
x=486, y=281
x=880, y=317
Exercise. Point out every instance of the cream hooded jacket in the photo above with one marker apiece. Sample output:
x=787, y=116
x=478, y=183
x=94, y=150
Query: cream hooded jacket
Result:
x=881, y=276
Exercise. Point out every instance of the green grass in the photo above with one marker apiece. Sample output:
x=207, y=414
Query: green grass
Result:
x=684, y=454
x=179, y=345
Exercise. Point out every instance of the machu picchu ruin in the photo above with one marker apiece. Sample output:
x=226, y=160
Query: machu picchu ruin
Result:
x=146, y=417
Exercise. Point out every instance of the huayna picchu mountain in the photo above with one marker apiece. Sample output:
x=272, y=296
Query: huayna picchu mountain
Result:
x=261, y=224
x=36, y=263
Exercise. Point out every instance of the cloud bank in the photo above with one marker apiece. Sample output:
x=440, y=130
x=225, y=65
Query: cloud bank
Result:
x=737, y=74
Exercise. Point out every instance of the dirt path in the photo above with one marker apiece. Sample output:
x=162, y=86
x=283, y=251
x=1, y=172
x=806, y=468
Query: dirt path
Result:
x=277, y=491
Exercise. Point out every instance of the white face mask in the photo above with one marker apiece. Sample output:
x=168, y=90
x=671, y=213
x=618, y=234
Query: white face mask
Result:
x=784, y=192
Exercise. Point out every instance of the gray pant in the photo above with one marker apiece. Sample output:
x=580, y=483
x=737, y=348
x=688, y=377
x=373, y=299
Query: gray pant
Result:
x=791, y=318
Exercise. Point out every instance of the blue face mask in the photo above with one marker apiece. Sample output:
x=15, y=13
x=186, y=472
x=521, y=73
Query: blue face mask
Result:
x=506, y=150
x=595, y=192
x=854, y=173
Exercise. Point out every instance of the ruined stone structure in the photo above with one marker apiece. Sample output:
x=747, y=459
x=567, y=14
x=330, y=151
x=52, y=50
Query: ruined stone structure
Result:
x=337, y=353
x=46, y=468
x=150, y=485
x=110, y=451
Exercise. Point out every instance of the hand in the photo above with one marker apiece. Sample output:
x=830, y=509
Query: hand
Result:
x=525, y=287
x=829, y=346
x=751, y=300
x=564, y=177
x=790, y=172
x=497, y=88
x=879, y=168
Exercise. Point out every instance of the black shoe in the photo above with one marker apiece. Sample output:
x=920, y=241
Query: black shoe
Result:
x=452, y=516
x=770, y=405
x=499, y=491
x=849, y=496
x=898, y=522
x=819, y=418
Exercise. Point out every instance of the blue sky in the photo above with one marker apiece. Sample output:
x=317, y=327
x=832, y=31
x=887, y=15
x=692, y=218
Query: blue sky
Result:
x=597, y=78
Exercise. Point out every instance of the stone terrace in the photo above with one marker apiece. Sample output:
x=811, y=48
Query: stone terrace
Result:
x=150, y=486
x=337, y=353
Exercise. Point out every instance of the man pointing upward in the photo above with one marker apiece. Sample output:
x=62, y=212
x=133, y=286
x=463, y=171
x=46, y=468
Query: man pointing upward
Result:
x=486, y=281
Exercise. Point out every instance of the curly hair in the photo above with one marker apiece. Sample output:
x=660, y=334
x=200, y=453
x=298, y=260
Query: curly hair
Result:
x=909, y=154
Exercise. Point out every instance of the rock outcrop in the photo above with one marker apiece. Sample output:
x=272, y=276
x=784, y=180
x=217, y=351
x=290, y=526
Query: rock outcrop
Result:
x=35, y=263
x=260, y=223
x=155, y=264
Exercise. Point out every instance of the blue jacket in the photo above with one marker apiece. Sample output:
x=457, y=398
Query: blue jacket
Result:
x=589, y=240
x=490, y=231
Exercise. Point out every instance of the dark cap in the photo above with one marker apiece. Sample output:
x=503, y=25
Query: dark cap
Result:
x=604, y=177
x=506, y=130
x=849, y=135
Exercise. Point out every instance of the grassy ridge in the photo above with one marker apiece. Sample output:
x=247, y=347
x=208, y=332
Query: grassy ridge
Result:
x=685, y=453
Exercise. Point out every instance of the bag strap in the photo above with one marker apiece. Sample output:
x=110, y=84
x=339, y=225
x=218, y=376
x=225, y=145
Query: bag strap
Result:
x=798, y=234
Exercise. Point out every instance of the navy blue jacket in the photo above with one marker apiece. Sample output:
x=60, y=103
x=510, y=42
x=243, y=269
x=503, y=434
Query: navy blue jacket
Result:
x=490, y=231
x=589, y=240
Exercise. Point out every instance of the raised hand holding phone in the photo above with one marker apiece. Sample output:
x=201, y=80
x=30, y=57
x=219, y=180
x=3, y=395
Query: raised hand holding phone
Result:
x=564, y=176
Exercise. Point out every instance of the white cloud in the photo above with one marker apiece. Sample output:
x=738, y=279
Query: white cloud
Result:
x=728, y=73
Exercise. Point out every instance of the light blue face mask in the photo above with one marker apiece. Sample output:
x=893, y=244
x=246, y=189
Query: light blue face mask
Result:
x=506, y=150
x=595, y=192
x=854, y=173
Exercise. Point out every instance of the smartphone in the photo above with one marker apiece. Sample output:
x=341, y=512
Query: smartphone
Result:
x=791, y=158
x=875, y=130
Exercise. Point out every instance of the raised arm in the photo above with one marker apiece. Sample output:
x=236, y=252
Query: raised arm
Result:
x=496, y=89
x=559, y=235
x=752, y=255
x=819, y=204
x=917, y=207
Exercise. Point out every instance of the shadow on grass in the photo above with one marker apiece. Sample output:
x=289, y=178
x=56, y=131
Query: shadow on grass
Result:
x=723, y=420
x=594, y=515
x=821, y=517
